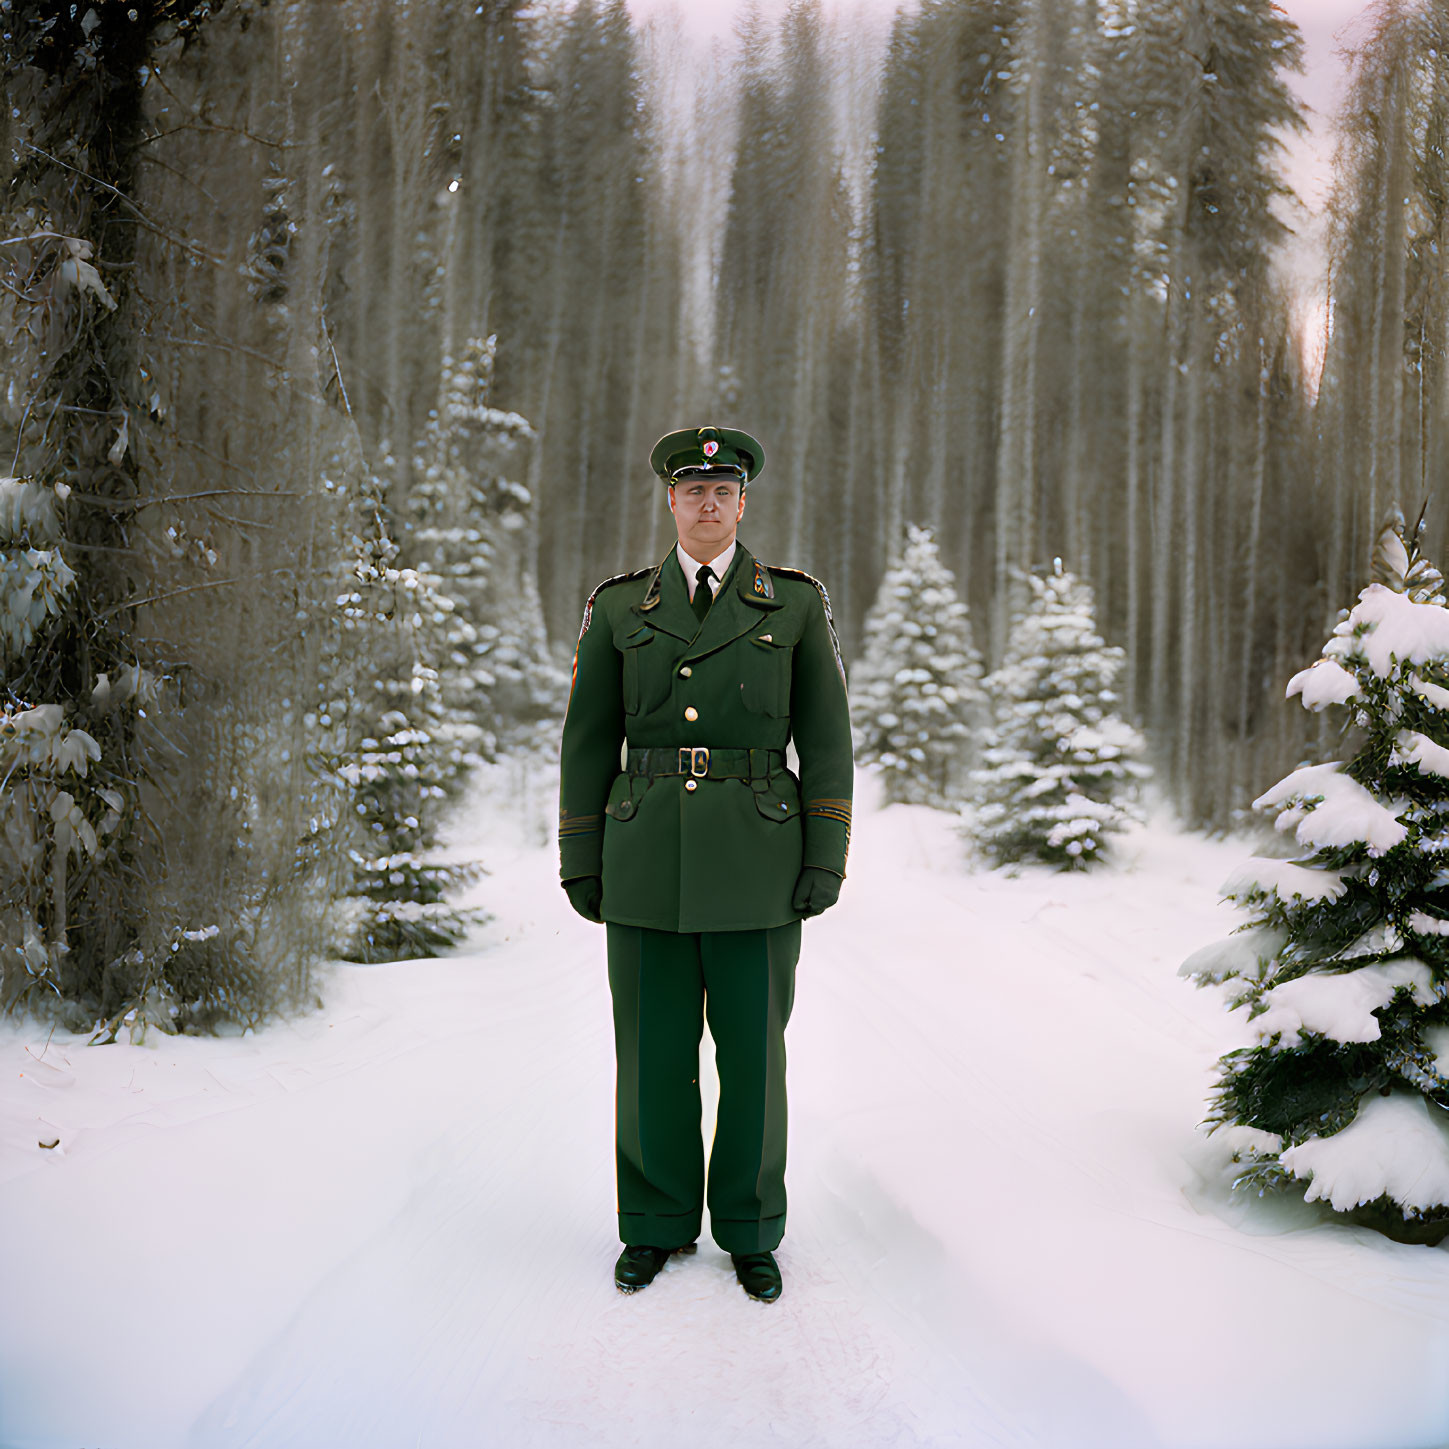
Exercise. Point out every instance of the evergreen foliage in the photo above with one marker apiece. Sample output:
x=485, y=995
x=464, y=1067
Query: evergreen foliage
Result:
x=470, y=524
x=1069, y=312
x=1343, y=964
x=916, y=695
x=213, y=655
x=457, y=665
x=91, y=925
x=269, y=247
x=1014, y=283
x=1061, y=768
x=406, y=763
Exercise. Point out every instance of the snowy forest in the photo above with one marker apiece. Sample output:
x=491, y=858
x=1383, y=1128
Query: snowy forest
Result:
x=336, y=337
x=334, y=340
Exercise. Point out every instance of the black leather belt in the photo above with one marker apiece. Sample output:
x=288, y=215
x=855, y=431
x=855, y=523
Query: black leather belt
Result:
x=701, y=761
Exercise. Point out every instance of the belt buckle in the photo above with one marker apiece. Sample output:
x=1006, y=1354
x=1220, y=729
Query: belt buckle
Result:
x=698, y=760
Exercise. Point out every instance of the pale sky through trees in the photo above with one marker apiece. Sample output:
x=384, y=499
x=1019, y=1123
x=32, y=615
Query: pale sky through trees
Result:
x=1308, y=159
x=1327, y=26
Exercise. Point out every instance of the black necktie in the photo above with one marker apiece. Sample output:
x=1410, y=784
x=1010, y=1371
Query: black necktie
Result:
x=703, y=598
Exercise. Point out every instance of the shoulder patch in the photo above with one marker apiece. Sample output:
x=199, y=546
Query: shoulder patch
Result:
x=805, y=578
x=617, y=579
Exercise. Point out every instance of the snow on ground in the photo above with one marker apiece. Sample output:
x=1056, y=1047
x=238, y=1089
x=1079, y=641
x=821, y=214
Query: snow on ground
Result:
x=390, y=1223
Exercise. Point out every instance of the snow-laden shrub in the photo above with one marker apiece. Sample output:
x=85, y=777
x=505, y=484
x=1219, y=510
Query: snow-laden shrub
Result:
x=1342, y=969
x=915, y=694
x=1061, y=769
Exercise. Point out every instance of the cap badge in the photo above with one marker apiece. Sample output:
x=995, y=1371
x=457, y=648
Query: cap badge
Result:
x=711, y=448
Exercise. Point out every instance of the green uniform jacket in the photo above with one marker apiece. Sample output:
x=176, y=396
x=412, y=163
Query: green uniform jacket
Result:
x=763, y=667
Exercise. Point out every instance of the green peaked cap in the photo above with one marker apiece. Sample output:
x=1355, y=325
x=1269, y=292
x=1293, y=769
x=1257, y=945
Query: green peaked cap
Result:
x=727, y=449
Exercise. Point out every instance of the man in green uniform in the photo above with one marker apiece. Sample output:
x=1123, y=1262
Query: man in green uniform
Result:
x=704, y=852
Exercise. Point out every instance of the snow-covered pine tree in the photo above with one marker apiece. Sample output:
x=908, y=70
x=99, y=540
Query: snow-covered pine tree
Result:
x=1061, y=768
x=468, y=521
x=915, y=694
x=1343, y=966
x=87, y=712
x=403, y=767
x=44, y=753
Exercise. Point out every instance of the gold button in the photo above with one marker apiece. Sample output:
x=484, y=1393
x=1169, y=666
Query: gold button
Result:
x=691, y=784
x=685, y=672
x=691, y=714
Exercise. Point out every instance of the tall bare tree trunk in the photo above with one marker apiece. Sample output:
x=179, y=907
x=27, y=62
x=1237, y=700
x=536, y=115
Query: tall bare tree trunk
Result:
x=1164, y=516
x=1075, y=516
x=1016, y=456
x=1248, y=654
x=1134, y=510
x=1387, y=357
x=1198, y=382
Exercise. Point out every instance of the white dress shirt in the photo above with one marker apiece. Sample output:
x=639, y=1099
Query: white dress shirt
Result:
x=692, y=566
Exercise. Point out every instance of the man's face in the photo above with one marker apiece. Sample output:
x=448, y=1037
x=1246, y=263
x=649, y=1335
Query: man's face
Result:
x=707, y=512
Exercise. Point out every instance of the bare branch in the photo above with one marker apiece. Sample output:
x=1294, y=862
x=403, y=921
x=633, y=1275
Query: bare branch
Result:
x=211, y=127
x=171, y=594
x=178, y=172
x=240, y=524
x=336, y=366
x=200, y=447
x=140, y=215
x=137, y=504
x=224, y=347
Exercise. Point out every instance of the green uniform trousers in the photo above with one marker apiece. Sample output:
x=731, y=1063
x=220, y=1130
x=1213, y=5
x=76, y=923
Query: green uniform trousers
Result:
x=664, y=984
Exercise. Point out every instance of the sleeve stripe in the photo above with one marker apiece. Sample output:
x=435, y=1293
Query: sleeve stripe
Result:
x=569, y=825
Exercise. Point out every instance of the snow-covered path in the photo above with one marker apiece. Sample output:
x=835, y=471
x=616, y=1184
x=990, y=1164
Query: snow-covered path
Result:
x=391, y=1223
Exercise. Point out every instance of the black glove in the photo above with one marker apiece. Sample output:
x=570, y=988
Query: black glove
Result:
x=816, y=890
x=585, y=893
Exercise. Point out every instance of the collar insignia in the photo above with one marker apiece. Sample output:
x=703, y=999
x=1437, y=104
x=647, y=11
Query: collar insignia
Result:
x=651, y=594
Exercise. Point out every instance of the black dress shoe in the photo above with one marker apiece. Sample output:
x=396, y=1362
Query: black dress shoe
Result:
x=759, y=1275
x=638, y=1266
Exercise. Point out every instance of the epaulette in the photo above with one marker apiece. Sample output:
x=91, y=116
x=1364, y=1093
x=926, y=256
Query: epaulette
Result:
x=617, y=579
x=805, y=578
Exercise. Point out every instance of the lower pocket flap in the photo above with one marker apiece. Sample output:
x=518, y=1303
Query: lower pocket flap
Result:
x=776, y=804
x=625, y=796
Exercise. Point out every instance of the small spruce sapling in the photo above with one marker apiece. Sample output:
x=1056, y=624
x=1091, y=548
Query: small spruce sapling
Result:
x=1062, y=770
x=404, y=768
x=916, y=694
